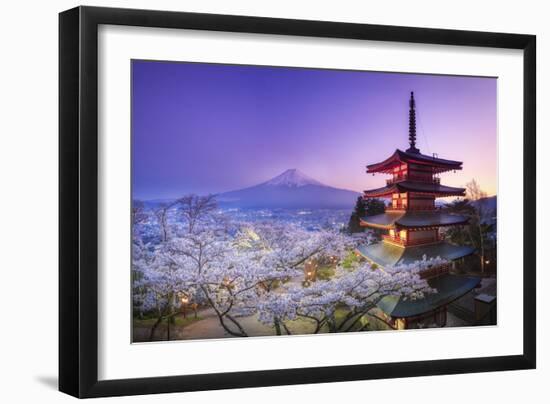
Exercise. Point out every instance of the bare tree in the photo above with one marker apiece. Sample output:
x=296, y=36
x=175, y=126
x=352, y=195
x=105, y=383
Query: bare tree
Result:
x=139, y=214
x=479, y=197
x=194, y=208
x=162, y=216
x=168, y=310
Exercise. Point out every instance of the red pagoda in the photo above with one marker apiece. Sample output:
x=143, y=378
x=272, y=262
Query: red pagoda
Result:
x=414, y=231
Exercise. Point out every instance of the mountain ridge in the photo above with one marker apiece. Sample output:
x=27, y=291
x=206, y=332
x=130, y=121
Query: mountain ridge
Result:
x=290, y=189
x=292, y=178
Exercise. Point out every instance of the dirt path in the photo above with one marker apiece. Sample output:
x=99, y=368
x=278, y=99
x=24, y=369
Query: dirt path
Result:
x=206, y=328
x=209, y=327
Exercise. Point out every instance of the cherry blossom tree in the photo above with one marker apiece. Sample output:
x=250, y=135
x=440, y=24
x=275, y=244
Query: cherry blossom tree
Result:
x=357, y=291
x=283, y=250
x=256, y=269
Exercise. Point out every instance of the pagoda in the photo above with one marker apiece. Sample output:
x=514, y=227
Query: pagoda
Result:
x=414, y=228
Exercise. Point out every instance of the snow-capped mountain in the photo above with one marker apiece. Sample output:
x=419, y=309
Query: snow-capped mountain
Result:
x=292, y=189
x=292, y=178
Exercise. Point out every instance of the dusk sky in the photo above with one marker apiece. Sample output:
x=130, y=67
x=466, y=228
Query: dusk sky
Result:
x=206, y=128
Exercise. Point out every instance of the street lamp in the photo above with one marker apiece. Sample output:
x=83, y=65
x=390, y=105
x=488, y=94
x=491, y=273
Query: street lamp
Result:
x=184, y=303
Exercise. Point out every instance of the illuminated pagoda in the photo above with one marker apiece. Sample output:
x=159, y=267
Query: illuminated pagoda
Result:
x=414, y=232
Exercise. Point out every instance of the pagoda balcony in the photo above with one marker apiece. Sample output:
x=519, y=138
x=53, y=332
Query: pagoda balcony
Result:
x=434, y=271
x=400, y=208
x=410, y=177
x=404, y=243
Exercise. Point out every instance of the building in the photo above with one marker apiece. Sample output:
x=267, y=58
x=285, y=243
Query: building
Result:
x=414, y=232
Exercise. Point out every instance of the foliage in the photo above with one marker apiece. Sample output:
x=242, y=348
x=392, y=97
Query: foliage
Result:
x=350, y=260
x=374, y=206
x=325, y=273
x=477, y=232
x=364, y=207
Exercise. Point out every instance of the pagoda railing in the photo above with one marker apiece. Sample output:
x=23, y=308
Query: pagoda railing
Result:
x=390, y=208
x=393, y=209
x=434, y=271
x=418, y=241
x=395, y=240
x=412, y=177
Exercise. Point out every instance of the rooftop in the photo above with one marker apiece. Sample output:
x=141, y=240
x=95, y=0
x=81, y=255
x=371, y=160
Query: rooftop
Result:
x=399, y=156
x=415, y=186
x=386, y=254
x=391, y=219
x=449, y=288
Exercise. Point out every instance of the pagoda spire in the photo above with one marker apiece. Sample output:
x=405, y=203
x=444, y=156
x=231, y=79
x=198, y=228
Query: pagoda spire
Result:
x=412, y=126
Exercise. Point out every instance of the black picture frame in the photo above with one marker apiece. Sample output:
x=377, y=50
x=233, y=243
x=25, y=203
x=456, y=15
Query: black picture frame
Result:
x=78, y=207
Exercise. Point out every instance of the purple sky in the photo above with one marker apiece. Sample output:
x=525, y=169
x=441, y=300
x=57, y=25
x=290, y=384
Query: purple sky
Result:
x=207, y=128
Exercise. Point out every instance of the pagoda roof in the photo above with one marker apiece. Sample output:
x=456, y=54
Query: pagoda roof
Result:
x=383, y=220
x=449, y=288
x=386, y=254
x=409, y=218
x=399, y=156
x=415, y=186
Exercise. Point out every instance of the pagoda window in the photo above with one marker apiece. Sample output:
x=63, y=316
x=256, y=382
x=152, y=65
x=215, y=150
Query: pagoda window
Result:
x=403, y=235
x=395, y=201
x=399, y=201
x=400, y=323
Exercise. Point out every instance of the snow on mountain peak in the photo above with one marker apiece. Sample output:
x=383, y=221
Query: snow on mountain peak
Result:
x=292, y=178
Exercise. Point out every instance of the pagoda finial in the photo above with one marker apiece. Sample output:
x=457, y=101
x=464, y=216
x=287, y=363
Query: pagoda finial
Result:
x=412, y=126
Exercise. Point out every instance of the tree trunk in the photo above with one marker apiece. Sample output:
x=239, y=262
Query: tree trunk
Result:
x=229, y=330
x=277, y=326
x=482, y=255
x=241, y=329
x=332, y=324
x=154, y=327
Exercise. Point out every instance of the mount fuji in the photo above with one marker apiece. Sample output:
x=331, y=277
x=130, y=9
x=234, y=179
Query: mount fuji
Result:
x=290, y=190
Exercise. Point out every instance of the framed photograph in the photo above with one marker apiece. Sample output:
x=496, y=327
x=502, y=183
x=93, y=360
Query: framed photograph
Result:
x=251, y=201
